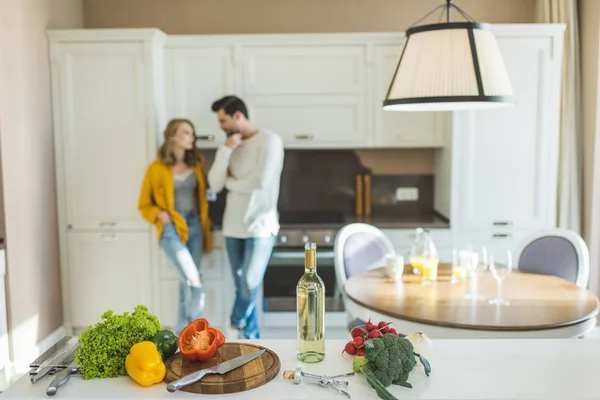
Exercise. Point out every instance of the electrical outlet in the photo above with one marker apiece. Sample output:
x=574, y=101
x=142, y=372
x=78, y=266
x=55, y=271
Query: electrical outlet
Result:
x=407, y=194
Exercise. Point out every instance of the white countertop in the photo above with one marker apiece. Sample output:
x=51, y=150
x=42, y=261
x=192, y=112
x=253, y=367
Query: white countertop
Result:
x=565, y=369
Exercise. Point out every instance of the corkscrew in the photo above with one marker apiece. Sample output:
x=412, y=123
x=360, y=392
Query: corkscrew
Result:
x=323, y=380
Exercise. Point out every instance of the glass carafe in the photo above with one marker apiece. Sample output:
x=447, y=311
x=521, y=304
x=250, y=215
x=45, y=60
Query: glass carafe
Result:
x=423, y=255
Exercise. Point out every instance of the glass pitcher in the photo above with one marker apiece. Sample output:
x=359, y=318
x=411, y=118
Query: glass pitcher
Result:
x=423, y=256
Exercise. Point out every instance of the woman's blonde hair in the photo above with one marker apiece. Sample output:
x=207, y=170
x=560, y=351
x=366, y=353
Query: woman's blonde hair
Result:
x=165, y=152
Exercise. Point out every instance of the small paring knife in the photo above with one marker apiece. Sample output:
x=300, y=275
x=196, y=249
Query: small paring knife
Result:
x=222, y=368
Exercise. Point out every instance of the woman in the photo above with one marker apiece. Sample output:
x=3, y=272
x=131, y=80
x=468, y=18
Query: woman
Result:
x=173, y=198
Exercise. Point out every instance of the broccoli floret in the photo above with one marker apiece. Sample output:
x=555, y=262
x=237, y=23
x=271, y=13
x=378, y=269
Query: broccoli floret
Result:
x=391, y=358
x=388, y=359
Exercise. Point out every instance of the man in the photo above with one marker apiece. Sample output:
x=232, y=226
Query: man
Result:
x=249, y=165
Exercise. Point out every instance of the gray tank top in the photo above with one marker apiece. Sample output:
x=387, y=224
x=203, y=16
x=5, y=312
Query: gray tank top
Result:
x=185, y=192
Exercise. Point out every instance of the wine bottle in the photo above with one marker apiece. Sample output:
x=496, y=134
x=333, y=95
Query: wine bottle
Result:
x=310, y=308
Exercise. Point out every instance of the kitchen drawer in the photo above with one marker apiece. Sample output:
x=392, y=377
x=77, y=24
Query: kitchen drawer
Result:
x=169, y=303
x=211, y=266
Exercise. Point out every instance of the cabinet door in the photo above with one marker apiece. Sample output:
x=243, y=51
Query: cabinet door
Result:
x=402, y=129
x=195, y=78
x=103, y=134
x=303, y=69
x=107, y=271
x=508, y=157
x=312, y=121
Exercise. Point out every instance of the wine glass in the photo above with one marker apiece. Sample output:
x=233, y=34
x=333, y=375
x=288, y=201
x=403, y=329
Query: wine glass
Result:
x=500, y=267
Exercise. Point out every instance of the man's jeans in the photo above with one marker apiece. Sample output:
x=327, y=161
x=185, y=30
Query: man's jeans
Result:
x=186, y=260
x=248, y=259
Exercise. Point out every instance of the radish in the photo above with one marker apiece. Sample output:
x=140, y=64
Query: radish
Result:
x=358, y=341
x=358, y=332
x=370, y=326
x=350, y=349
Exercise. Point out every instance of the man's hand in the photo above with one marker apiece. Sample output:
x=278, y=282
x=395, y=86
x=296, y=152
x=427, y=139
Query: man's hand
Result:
x=234, y=141
x=164, y=217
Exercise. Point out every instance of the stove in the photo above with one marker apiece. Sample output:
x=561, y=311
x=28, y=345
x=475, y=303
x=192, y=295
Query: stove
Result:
x=299, y=227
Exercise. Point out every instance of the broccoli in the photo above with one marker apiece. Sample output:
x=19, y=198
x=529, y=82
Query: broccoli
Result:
x=104, y=346
x=388, y=360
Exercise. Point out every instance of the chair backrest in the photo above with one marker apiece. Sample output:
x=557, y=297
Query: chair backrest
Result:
x=359, y=247
x=558, y=252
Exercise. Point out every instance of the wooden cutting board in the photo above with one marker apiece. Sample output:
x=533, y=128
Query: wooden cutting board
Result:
x=249, y=376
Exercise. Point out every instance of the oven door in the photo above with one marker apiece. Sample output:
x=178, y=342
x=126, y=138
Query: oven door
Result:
x=285, y=269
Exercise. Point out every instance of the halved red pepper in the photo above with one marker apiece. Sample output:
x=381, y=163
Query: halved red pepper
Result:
x=198, y=344
x=199, y=341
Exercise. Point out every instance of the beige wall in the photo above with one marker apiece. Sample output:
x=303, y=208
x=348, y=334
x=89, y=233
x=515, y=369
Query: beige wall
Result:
x=300, y=16
x=288, y=16
x=34, y=298
x=589, y=15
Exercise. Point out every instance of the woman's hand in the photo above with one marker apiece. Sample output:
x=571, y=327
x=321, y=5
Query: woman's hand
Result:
x=164, y=217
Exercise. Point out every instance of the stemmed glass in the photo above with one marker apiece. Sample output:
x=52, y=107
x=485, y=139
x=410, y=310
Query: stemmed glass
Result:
x=500, y=267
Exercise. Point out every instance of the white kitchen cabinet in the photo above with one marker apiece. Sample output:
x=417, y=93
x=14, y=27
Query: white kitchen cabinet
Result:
x=107, y=271
x=107, y=97
x=286, y=69
x=506, y=160
x=402, y=129
x=312, y=121
x=194, y=79
x=101, y=117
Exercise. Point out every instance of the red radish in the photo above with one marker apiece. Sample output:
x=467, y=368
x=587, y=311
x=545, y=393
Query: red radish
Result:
x=374, y=334
x=358, y=332
x=393, y=330
x=360, y=352
x=370, y=326
x=358, y=341
x=350, y=349
x=384, y=327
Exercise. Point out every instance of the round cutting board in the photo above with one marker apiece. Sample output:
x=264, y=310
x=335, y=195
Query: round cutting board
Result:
x=249, y=376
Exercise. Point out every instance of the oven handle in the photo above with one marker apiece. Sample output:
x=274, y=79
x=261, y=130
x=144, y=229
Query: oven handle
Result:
x=300, y=254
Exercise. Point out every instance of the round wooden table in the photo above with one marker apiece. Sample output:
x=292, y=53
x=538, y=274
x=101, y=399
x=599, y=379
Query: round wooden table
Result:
x=541, y=306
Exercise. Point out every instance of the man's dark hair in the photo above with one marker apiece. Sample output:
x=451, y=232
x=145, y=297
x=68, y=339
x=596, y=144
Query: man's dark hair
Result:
x=229, y=105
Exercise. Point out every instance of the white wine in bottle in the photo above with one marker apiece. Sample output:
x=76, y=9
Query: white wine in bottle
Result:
x=310, y=306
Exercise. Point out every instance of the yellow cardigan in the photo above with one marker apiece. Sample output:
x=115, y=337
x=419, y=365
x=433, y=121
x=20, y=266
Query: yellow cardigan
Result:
x=158, y=193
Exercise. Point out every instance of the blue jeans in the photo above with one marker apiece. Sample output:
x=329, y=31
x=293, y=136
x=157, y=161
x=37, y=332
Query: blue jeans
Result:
x=248, y=259
x=186, y=260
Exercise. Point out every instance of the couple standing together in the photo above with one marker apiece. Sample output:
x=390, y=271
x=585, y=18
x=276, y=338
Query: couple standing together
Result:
x=174, y=198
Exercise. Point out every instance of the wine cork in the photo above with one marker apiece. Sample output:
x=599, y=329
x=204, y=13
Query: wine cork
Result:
x=288, y=374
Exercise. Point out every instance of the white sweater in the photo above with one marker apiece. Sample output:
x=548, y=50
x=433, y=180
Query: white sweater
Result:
x=255, y=173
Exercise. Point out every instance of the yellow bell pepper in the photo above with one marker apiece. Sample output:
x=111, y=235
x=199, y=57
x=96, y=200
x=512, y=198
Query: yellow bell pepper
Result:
x=144, y=364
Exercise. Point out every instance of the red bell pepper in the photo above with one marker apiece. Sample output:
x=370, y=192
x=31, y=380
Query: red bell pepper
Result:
x=199, y=342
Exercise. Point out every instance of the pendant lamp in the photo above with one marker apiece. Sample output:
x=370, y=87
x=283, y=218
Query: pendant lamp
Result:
x=449, y=66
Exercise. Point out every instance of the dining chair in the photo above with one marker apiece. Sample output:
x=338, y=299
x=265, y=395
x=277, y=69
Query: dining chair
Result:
x=358, y=247
x=558, y=252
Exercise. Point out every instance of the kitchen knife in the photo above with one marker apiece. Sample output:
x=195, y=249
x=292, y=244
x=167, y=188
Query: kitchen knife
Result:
x=222, y=368
x=61, y=377
x=60, y=358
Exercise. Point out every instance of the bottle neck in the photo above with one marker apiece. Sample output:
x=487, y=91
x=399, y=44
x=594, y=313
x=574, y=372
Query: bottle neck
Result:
x=310, y=262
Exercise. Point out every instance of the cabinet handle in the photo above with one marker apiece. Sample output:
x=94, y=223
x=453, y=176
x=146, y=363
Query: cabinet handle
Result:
x=206, y=137
x=108, y=237
x=501, y=235
x=107, y=224
x=502, y=223
x=304, y=137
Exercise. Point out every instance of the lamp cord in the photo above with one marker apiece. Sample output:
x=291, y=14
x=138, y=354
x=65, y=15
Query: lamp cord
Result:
x=445, y=12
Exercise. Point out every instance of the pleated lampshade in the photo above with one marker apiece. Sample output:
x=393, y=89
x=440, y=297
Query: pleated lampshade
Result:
x=449, y=66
